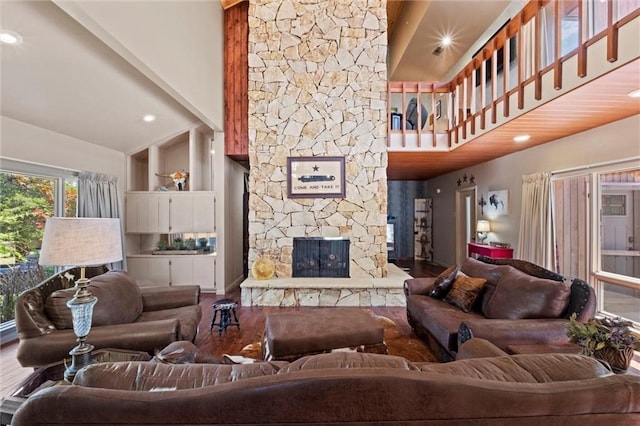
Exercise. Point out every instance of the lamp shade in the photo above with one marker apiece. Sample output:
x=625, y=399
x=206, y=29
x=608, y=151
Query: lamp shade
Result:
x=483, y=226
x=80, y=241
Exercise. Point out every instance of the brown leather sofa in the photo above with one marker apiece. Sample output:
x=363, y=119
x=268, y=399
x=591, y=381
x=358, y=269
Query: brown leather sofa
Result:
x=126, y=316
x=346, y=387
x=520, y=304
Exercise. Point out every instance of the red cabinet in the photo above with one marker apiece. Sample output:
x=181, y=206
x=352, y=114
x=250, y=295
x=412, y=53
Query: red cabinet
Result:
x=476, y=250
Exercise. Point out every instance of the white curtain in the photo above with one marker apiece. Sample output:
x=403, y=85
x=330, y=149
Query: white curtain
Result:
x=536, y=242
x=98, y=197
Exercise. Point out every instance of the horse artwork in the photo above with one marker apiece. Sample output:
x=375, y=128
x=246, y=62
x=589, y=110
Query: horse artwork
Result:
x=498, y=203
x=179, y=179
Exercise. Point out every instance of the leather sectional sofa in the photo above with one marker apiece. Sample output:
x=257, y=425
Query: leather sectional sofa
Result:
x=346, y=387
x=519, y=303
x=126, y=316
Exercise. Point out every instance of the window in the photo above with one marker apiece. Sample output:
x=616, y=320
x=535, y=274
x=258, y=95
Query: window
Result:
x=28, y=195
x=618, y=271
x=597, y=227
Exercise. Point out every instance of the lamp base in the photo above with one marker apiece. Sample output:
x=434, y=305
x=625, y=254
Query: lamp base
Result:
x=80, y=358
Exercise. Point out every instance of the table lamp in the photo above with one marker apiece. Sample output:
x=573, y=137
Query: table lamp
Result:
x=482, y=228
x=80, y=242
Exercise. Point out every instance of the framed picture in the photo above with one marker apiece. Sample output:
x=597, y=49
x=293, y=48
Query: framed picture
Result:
x=498, y=203
x=315, y=177
x=438, y=109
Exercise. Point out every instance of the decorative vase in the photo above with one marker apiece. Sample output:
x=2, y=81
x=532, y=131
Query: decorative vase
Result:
x=619, y=360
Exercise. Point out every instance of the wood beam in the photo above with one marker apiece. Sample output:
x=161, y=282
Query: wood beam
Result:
x=226, y=4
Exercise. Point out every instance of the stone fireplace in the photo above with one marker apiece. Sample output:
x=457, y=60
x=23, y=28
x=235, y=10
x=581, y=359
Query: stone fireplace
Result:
x=318, y=87
x=320, y=257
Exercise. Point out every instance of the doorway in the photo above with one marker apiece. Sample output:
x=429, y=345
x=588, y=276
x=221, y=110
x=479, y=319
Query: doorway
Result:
x=465, y=221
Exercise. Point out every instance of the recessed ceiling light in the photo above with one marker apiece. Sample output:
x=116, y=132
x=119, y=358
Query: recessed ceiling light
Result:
x=10, y=37
x=149, y=118
x=634, y=93
x=446, y=41
x=521, y=138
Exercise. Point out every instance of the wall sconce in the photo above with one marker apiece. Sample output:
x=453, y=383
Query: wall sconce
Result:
x=482, y=228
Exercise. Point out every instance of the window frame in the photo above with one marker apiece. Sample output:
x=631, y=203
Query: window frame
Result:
x=8, y=331
x=599, y=277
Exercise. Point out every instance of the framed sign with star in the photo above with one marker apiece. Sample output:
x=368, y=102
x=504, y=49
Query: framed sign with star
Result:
x=315, y=177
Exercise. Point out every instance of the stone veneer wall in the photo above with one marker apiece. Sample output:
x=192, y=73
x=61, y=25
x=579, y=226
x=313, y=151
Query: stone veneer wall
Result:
x=318, y=87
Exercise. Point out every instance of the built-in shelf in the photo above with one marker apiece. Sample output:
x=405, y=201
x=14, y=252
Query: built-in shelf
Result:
x=156, y=211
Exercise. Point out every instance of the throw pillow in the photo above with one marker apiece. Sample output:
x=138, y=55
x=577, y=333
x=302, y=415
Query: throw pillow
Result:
x=464, y=292
x=444, y=281
x=519, y=295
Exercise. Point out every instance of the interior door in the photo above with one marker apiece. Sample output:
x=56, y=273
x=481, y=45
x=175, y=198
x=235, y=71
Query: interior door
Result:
x=465, y=221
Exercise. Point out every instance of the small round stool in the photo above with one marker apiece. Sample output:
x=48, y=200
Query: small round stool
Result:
x=226, y=307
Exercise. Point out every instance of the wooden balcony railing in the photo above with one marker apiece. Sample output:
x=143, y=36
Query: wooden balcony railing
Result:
x=540, y=39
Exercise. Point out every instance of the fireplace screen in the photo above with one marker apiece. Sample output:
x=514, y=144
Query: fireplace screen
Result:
x=320, y=257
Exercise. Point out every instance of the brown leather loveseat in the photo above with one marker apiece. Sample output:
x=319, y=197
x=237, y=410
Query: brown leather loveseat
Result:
x=519, y=303
x=345, y=387
x=126, y=316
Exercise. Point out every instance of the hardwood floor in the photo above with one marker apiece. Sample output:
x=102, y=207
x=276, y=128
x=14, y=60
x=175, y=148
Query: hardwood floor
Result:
x=252, y=318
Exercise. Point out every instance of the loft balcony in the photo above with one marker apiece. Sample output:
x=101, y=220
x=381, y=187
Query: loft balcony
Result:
x=555, y=69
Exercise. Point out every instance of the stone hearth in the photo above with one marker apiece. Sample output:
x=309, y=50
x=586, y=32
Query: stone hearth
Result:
x=364, y=292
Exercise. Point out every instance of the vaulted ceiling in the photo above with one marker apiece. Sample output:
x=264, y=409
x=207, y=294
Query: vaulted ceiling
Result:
x=64, y=79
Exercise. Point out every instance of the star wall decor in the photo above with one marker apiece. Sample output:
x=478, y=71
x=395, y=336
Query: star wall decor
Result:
x=467, y=179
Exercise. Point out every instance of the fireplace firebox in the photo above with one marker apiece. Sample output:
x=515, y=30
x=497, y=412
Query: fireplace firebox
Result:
x=320, y=257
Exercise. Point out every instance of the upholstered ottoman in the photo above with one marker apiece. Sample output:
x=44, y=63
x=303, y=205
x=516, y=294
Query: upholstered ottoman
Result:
x=291, y=335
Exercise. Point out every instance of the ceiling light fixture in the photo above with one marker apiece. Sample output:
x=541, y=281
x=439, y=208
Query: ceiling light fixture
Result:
x=634, y=93
x=149, y=118
x=446, y=41
x=10, y=37
x=521, y=138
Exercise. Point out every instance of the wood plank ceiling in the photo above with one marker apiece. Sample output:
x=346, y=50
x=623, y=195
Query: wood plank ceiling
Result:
x=602, y=101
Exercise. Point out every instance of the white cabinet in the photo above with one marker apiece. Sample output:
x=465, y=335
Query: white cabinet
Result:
x=170, y=212
x=162, y=270
x=191, y=212
x=149, y=270
x=142, y=212
x=152, y=215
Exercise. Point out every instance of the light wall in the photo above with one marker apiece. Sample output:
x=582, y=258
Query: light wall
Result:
x=25, y=142
x=615, y=141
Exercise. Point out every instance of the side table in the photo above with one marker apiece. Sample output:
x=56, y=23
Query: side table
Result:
x=489, y=251
x=226, y=307
x=53, y=375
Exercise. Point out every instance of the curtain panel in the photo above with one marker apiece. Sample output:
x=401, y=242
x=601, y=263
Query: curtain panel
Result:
x=536, y=242
x=98, y=197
